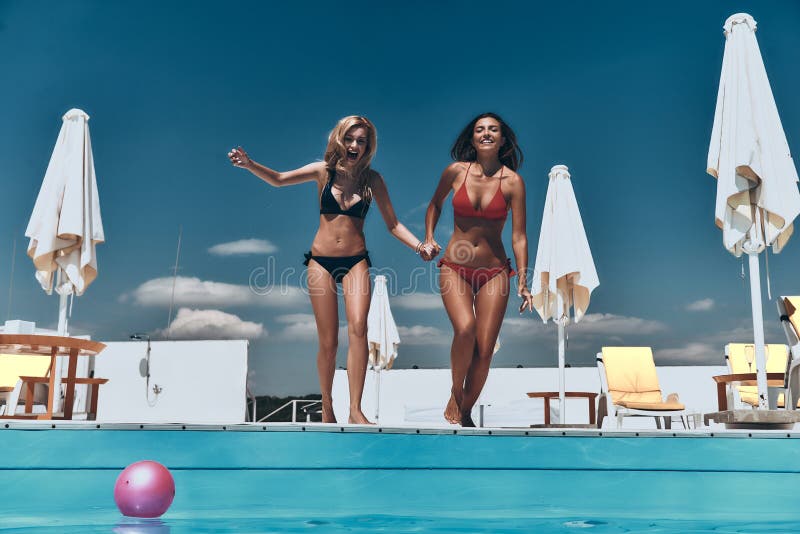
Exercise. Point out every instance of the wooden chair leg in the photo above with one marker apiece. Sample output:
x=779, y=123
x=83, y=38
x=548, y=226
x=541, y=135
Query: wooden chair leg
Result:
x=547, y=410
x=29, y=389
x=93, y=391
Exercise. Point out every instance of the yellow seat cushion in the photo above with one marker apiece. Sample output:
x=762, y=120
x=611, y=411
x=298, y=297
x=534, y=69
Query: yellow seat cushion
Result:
x=631, y=376
x=656, y=406
x=13, y=366
x=752, y=399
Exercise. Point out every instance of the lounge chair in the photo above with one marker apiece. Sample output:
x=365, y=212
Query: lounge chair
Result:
x=789, y=310
x=736, y=357
x=12, y=367
x=629, y=387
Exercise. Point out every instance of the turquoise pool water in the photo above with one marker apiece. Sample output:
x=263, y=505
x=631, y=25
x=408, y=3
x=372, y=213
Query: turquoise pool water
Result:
x=327, y=479
x=177, y=522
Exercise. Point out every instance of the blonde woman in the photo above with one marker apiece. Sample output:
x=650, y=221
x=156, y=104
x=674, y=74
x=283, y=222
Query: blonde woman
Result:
x=346, y=186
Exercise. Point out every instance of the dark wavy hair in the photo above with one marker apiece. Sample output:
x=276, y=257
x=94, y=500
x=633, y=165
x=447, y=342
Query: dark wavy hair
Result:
x=510, y=154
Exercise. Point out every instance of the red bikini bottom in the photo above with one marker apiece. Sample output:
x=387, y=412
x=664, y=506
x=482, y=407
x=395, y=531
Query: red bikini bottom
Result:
x=477, y=277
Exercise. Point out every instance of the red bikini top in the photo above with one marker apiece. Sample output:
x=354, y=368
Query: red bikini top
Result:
x=463, y=206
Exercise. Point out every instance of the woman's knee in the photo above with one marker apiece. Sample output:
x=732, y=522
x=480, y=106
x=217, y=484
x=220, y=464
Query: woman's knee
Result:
x=485, y=350
x=464, y=331
x=328, y=346
x=357, y=328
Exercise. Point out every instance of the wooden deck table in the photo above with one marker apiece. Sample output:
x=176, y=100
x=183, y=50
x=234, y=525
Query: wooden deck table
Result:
x=53, y=346
x=742, y=379
x=547, y=395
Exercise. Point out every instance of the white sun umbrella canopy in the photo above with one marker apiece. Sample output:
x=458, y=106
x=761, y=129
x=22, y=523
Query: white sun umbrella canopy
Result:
x=382, y=335
x=564, y=274
x=66, y=225
x=757, y=197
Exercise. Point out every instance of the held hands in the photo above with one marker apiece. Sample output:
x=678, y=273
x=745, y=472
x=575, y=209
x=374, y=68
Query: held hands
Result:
x=239, y=158
x=527, y=299
x=429, y=250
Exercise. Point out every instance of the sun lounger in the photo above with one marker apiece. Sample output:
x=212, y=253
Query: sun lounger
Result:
x=12, y=367
x=629, y=387
x=740, y=358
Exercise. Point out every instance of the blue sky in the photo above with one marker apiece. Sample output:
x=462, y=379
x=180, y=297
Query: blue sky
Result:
x=621, y=92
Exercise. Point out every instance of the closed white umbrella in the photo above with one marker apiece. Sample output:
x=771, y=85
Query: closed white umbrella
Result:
x=564, y=274
x=382, y=335
x=66, y=225
x=757, y=196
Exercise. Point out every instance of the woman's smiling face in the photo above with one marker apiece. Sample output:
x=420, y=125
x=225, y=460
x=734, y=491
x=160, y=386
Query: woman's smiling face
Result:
x=487, y=136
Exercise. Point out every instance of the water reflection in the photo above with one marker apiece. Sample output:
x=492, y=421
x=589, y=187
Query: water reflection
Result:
x=134, y=525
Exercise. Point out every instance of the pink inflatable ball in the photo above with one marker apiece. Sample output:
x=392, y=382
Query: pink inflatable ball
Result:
x=144, y=489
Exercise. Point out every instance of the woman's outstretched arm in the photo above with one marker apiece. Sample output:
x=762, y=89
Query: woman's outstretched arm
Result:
x=435, y=206
x=395, y=227
x=311, y=172
x=519, y=241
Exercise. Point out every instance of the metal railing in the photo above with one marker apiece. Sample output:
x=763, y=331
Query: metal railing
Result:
x=250, y=406
x=307, y=404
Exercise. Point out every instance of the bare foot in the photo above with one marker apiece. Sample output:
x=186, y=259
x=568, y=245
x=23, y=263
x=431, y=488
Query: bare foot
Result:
x=357, y=417
x=466, y=420
x=327, y=414
x=452, y=413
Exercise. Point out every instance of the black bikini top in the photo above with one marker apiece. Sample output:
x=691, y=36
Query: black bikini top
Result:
x=328, y=204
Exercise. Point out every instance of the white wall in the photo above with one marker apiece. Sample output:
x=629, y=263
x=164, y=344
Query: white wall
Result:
x=202, y=381
x=418, y=396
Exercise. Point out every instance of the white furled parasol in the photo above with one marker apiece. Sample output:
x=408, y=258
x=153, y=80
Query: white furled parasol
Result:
x=757, y=196
x=564, y=274
x=382, y=335
x=66, y=225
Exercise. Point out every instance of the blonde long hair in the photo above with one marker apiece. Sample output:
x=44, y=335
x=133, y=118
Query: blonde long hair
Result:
x=336, y=152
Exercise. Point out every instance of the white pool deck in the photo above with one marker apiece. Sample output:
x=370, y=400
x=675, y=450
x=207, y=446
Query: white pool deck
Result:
x=195, y=389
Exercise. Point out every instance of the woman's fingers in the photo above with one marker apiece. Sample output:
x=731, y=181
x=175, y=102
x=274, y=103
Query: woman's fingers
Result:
x=527, y=302
x=238, y=157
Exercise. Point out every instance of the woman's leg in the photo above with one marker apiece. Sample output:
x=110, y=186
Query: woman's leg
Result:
x=490, y=308
x=458, y=301
x=322, y=290
x=356, y=288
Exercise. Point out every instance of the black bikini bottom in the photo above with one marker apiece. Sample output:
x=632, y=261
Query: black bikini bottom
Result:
x=337, y=266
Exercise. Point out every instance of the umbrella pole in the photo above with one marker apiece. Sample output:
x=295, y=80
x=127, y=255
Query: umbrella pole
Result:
x=62, y=331
x=62, y=315
x=758, y=328
x=377, y=393
x=561, y=387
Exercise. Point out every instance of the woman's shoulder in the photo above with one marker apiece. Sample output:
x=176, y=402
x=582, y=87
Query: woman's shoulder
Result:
x=512, y=180
x=512, y=176
x=373, y=177
x=455, y=169
x=320, y=170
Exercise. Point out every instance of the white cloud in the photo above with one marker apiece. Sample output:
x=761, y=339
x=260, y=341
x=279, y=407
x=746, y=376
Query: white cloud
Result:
x=303, y=327
x=418, y=301
x=211, y=324
x=592, y=324
x=691, y=353
x=298, y=326
x=610, y=324
x=194, y=292
x=243, y=247
x=423, y=335
x=700, y=305
x=419, y=208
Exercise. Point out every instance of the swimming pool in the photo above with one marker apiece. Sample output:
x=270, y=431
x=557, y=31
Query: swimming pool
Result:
x=324, y=478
